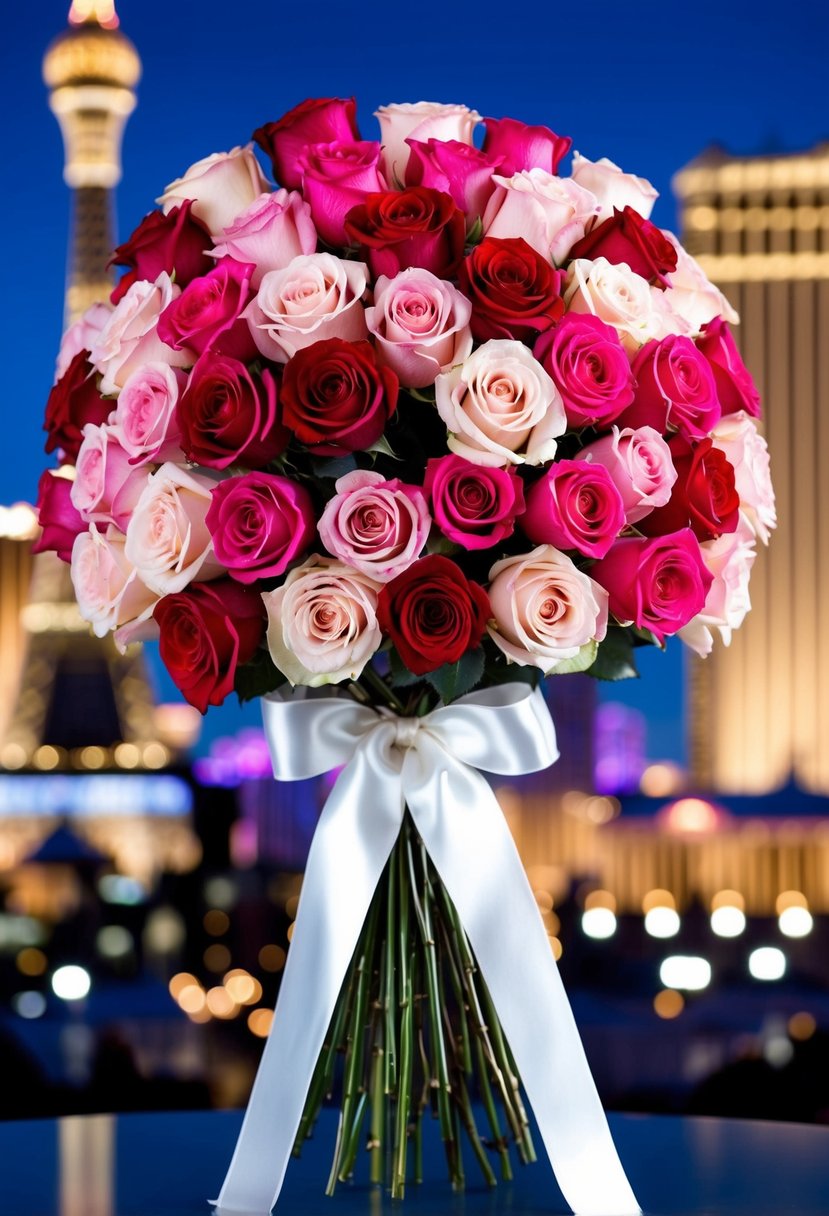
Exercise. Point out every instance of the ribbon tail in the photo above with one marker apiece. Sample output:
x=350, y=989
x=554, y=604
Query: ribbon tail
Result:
x=467, y=837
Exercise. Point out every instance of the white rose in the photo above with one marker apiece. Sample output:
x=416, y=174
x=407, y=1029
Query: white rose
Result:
x=81, y=335
x=616, y=296
x=612, y=187
x=692, y=296
x=168, y=540
x=420, y=120
x=221, y=185
x=130, y=339
x=746, y=449
x=107, y=587
x=550, y=213
x=729, y=558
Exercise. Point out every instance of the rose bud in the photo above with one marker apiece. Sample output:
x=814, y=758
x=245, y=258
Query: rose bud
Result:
x=704, y=496
x=59, y=519
x=319, y=120
x=627, y=237
x=475, y=506
x=411, y=227
x=515, y=292
x=228, y=415
x=73, y=403
x=524, y=147
x=175, y=243
x=260, y=524
x=336, y=177
x=586, y=361
x=422, y=121
x=208, y=313
x=221, y=186
x=575, y=505
x=735, y=386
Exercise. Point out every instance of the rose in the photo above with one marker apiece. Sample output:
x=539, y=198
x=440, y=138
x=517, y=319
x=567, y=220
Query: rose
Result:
x=524, y=147
x=745, y=448
x=221, y=186
x=109, y=592
x=550, y=213
x=270, y=233
x=315, y=297
x=613, y=188
x=674, y=388
x=319, y=120
x=145, y=414
x=433, y=614
x=322, y=622
x=73, y=403
x=546, y=610
x=206, y=633
x=130, y=336
x=575, y=505
x=208, y=313
x=626, y=237
x=260, y=523
x=335, y=397
x=500, y=407
x=420, y=324
x=735, y=387
x=374, y=525
x=411, y=227
x=59, y=519
x=80, y=336
x=168, y=540
x=228, y=415
x=729, y=559
x=515, y=293
x=473, y=505
x=106, y=486
x=421, y=121
x=704, y=496
x=174, y=243
x=692, y=296
x=659, y=584
x=336, y=177
x=459, y=170
x=588, y=365
x=639, y=463
x=616, y=296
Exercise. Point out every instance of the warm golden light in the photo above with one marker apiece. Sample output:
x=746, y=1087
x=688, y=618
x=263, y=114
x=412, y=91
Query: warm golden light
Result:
x=221, y=1004
x=31, y=961
x=662, y=779
x=242, y=988
x=192, y=999
x=216, y=922
x=101, y=11
x=692, y=816
x=260, y=1021
x=272, y=958
x=801, y=1026
x=217, y=957
x=181, y=981
x=668, y=1003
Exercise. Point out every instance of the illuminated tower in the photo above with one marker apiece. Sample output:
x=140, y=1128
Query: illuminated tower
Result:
x=760, y=228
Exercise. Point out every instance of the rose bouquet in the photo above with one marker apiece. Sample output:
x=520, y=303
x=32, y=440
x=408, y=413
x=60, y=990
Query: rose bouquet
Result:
x=427, y=420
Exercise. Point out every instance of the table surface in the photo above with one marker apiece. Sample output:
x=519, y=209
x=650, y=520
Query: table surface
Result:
x=169, y=1164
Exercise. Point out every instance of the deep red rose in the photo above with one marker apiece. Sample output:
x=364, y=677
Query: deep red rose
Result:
x=675, y=389
x=175, y=243
x=207, y=631
x=227, y=415
x=627, y=237
x=207, y=314
x=72, y=403
x=319, y=120
x=433, y=613
x=735, y=387
x=335, y=398
x=59, y=520
x=704, y=495
x=412, y=227
x=515, y=292
x=524, y=147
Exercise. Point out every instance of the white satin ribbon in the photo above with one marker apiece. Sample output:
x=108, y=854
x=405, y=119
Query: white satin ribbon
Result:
x=428, y=764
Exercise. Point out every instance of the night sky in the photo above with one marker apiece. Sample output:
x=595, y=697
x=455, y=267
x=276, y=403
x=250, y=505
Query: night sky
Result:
x=649, y=85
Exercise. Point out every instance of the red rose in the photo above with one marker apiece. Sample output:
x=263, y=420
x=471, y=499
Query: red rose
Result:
x=335, y=398
x=627, y=237
x=60, y=521
x=72, y=403
x=515, y=292
x=227, y=415
x=335, y=178
x=523, y=147
x=206, y=632
x=207, y=314
x=735, y=387
x=674, y=389
x=433, y=614
x=319, y=120
x=175, y=243
x=412, y=227
x=704, y=495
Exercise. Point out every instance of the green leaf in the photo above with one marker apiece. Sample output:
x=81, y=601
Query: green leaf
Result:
x=580, y=662
x=475, y=233
x=644, y=637
x=401, y=677
x=422, y=394
x=258, y=677
x=614, y=660
x=382, y=447
x=454, y=679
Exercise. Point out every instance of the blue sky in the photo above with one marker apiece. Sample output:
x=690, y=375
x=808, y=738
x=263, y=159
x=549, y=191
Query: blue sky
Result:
x=647, y=84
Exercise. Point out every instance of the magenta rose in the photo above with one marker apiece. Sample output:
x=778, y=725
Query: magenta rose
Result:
x=420, y=324
x=107, y=486
x=270, y=233
x=59, y=519
x=260, y=524
x=474, y=505
x=336, y=177
x=319, y=120
x=575, y=505
x=674, y=389
x=459, y=170
x=640, y=466
x=524, y=147
x=207, y=314
x=376, y=526
x=176, y=243
x=735, y=387
x=73, y=403
x=659, y=583
x=227, y=415
x=586, y=361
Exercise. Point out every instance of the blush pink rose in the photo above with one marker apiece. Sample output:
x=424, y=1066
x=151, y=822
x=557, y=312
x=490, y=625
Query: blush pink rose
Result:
x=260, y=524
x=692, y=296
x=379, y=527
x=546, y=611
x=109, y=592
x=586, y=361
x=613, y=188
x=420, y=324
x=575, y=505
x=106, y=486
x=746, y=450
x=640, y=465
x=550, y=213
x=735, y=387
x=59, y=519
x=421, y=121
x=208, y=313
x=270, y=233
x=658, y=584
x=81, y=336
x=474, y=505
x=145, y=414
x=130, y=337
x=674, y=390
x=221, y=186
x=618, y=297
x=168, y=540
x=315, y=297
x=335, y=178
x=524, y=147
x=459, y=170
x=319, y=120
x=729, y=558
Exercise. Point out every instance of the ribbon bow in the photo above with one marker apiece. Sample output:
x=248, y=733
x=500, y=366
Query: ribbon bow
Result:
x=428, y=764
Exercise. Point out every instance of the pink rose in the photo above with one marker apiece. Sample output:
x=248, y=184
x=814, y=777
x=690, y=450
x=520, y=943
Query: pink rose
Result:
x=692, y=296
x=109, y=592
x=586, y=361
x=221, y=186
x=106, y=486
x=421, y=121
x=547, y=612
x=322, y=622
x=524, y=147
x=640, y=465
x=458, y=169
x=658, y=584
x=618, y=297
x=735, y=387
x=474, y=505
x=59, y=519
x=319, y=120
x=145, y=414
x=168, y=540
x=379, y=527
x=550, y=213
x=130, y=337
x=575, y=505
x=613, y=188
x=315, y=297
x=270, y=233
x=500, y=407
x=729, y=558
x=674, y=389
x=421, y=325
x=335, y=178
x=746, y=450
x=81, y=336
x=208, y=313
x=260, y=524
